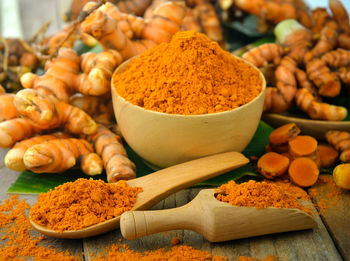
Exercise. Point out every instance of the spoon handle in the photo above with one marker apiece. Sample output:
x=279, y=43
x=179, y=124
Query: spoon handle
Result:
x=135, y=224
x=165, y=182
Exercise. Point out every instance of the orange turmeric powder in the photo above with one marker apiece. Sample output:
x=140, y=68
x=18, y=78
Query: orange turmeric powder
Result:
x=18, y=241
x=190, y=75
x=260, y=195
x=83, y=203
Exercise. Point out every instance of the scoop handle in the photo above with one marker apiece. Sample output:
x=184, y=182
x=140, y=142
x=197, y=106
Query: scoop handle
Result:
x=135, y=224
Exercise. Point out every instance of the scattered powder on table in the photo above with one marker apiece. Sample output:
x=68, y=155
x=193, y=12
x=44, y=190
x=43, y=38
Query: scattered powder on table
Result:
x=175, y=253
x=260, y=195
x=83, y=203
x=18, y=241
x=190, y=75
x=330, y=192
x=268, y=258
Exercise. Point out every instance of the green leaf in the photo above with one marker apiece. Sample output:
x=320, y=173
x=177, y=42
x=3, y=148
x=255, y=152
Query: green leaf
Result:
x=28, y=182
x=81, y=48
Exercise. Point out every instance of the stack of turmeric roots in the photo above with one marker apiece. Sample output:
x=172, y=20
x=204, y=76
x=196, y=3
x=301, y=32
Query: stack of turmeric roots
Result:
x=301, y=156
x=307, y=64
x=133, y=26
x=49, y=134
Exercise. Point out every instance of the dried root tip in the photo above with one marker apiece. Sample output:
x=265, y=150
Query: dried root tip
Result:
x=125, y=169
x=91, y=164
x=272, y=165
x=328, y=155
x=284, y=133
x=302, y=146
x=303, y=172
x=341, y=176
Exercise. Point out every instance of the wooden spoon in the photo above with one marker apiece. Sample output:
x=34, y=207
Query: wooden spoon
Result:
x=215, y=220
x=159, y=185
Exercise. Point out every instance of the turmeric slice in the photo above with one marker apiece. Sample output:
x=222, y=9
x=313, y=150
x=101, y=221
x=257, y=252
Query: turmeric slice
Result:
x=58, y=155
x=283, y=134
x=301, y=146
x=14, y=157
x=272, y=165
x=328, y=155
x=303, y=172
x=109, y=145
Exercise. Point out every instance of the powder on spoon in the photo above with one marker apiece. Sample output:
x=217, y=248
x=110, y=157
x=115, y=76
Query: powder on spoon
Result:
x=83, y=203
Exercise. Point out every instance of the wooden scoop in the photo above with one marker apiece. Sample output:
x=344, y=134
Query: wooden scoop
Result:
x=159, y=185
x=215, y=220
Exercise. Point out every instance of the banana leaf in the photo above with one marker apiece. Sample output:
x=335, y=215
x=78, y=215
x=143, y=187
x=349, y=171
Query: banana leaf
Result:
x=32, y=183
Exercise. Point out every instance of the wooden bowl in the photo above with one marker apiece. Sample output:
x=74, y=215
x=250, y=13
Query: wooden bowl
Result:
x=315, y=128
x=163, y=139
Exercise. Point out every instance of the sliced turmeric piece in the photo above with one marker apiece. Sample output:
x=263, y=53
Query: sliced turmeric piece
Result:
x=341, y=175
x=283, y=134
x=301, y=146
x=328, y=156
x=303, y=172
x=272, y=165
x=58, y=155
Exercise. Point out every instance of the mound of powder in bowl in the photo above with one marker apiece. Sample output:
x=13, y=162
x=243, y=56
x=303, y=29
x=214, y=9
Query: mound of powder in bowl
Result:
x=189, y=75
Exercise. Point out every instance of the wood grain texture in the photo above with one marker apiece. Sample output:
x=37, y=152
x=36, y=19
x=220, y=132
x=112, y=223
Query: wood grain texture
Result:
x=336, y=216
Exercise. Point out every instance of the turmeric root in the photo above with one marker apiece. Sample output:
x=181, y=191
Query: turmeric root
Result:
x=302, y=146
x=15, y=130
x=14, y=157
x=344, y=75
x=7, y=107
x=340, y=15
x=328, y=156
x=340, y=140
x=97, y=73
x=327, y=42
x=327, y=81
x=283, y=134
x=318, y=110
x=59, y=78
x=47, y=112
x=99, y=108
x=109, y=146
x=303, y=172
x=337, y=58
x=58, y=155
x=304, y=82
x=263, y=54
x=272, y=165
x=341, y=176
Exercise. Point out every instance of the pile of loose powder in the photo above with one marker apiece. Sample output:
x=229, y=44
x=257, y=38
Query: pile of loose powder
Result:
x=83, y=203
x=190, y=75
x=261, y=195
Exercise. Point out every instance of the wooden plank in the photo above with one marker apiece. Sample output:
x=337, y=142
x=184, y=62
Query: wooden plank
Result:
x=299, y=245
x=336, y=215
x=8, y=176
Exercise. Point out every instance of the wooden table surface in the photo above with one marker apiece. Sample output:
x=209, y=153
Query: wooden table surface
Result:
x=330, y=241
